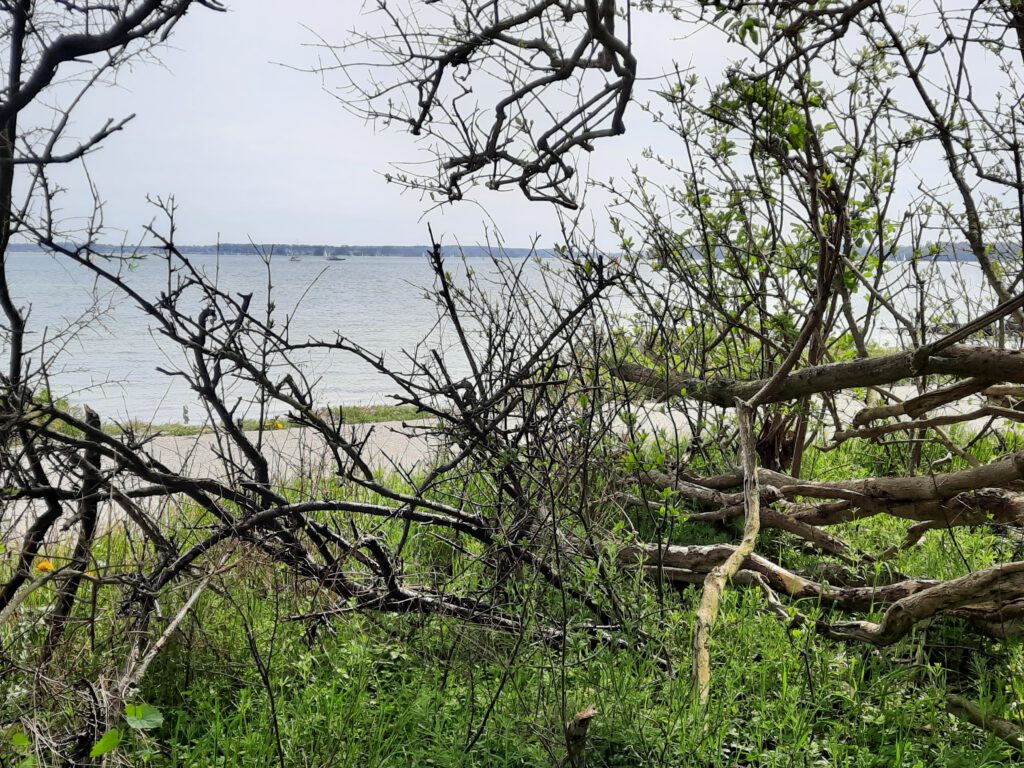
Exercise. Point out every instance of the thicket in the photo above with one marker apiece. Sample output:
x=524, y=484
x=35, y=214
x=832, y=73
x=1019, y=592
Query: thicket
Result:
x=817, y=561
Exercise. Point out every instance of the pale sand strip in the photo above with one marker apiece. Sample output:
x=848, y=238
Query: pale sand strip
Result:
x=395, y=446
x=299, y=451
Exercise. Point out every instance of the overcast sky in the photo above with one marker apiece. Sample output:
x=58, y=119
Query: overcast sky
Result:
x=255, y=150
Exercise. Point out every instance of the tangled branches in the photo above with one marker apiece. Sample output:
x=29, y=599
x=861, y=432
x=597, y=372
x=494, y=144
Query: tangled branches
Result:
x=560, y=75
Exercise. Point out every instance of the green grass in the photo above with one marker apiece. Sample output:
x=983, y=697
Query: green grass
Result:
x=384, y=690
x=351, y=414
x=410, y=693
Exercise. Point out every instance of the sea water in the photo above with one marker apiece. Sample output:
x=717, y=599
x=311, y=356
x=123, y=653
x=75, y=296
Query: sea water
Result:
x=101, y=350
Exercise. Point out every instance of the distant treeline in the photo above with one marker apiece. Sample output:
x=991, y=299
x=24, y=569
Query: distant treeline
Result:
x=932, y=252
x=298, y=249
x=948, y=252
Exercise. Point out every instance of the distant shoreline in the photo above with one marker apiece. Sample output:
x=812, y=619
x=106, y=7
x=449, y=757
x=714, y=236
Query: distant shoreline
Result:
x=953, y=252
x=346, y=415
x=302, y=249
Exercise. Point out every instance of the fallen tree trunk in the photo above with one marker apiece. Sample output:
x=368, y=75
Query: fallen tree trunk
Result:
x=991, y=595
x=676, y=561
x=879, y=430
x=972, y=713
x=987, y=591
x=957, y=499
x=868, y=493
x=999, y=365
x=920, y=405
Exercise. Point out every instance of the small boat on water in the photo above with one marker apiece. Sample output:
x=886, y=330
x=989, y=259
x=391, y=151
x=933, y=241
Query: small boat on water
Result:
x=332, y=257
x=294, y=258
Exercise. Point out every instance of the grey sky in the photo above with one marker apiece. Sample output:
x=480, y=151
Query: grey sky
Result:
x=255, y=150
x=252, y=149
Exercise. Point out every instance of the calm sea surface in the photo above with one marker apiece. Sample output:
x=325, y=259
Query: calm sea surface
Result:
x=110, y=362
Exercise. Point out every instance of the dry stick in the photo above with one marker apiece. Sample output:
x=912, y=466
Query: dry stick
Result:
x=921, y=404
x=135, y=668
x=714, y=584
x=972, y=713
x=134, y=673
x=868, y=433
x=1006, y=307
x=88, y=512
x=19, y=597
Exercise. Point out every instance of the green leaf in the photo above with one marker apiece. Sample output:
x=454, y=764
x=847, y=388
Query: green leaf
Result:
x=142, y=717
x=106, y=744
x=20, y=740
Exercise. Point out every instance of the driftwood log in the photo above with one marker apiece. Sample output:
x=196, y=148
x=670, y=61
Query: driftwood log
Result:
x=985, y=494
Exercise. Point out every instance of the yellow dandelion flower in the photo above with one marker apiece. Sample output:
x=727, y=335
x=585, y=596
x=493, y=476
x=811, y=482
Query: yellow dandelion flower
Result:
x=45, y=566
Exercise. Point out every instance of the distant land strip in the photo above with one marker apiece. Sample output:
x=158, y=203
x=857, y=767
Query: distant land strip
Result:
x=300, y=249
x=949, y=252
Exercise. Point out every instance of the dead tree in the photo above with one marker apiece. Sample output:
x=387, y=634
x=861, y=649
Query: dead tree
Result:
x=507, y=412
x=803, y=224
x=494, y=496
